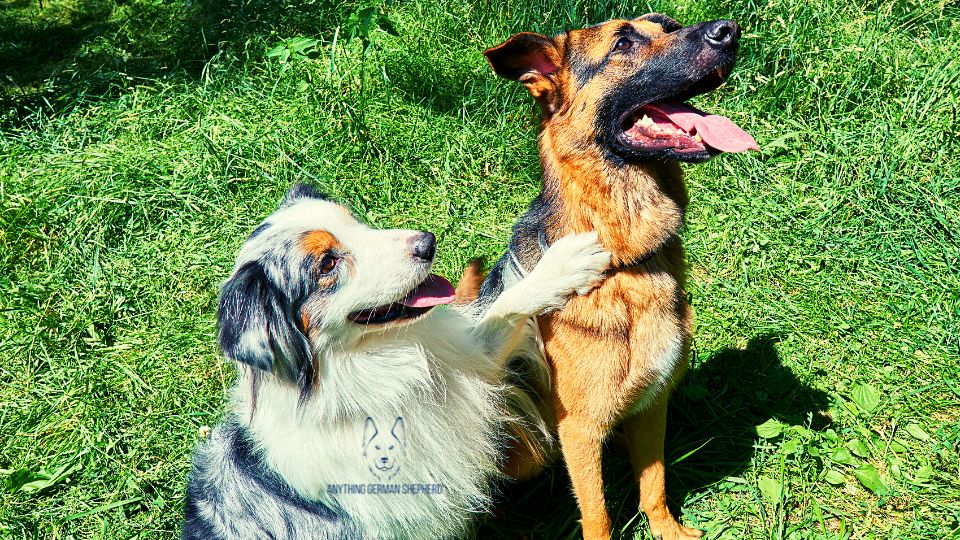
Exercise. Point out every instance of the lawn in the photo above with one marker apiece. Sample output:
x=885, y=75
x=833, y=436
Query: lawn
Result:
x=141, y=140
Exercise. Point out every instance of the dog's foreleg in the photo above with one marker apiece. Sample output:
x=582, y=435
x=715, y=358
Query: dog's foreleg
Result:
x=645, y=435
x=573, y=264
x=581, y=443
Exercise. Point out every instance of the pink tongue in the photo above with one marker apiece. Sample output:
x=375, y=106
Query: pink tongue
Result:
x=432, y=292
x=717, y=132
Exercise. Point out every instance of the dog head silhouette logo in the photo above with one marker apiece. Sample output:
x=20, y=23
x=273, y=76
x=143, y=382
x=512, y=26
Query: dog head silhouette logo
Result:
x=383, y=451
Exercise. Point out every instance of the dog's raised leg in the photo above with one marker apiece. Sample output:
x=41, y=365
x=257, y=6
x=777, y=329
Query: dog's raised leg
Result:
x=582, y=443
x=573, y=264
x=645, y=434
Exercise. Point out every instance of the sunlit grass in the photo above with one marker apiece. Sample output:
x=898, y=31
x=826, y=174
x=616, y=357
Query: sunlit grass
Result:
x=824, y=270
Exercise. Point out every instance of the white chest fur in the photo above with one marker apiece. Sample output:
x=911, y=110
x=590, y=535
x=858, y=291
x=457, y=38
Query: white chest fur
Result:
x=428, y=396
x=659, y=372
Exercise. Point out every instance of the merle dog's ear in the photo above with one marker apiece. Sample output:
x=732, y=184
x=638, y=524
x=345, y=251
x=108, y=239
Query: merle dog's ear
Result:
x=532, y=59
x=302, y=191
x=369, y=431
x=398, y=430
x=259, y=326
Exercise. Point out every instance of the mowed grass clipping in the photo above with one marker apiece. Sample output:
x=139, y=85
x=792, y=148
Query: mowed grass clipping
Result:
x=142, y=141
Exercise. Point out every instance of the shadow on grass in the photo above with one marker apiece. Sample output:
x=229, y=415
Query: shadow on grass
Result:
x=80, y=52
x=439, y=87
x=37, y=40
x=718, y=406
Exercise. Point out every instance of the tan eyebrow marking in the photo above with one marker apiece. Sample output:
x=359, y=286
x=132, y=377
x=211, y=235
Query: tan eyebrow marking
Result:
x=319, y=242
x=650, y=27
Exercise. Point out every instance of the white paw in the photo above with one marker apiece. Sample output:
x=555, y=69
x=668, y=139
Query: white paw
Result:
x=573, y=264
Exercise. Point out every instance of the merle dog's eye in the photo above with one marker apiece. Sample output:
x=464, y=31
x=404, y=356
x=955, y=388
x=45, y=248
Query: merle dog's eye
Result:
x=327, y=264
x=623, y=44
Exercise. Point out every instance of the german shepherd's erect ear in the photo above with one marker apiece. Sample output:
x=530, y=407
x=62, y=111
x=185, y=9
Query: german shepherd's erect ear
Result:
x=532, y=59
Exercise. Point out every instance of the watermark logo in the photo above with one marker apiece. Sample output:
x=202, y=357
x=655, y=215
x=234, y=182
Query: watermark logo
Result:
x=382, y=450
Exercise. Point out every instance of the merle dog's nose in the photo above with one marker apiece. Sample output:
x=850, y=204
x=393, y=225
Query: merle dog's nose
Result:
x=383, y=459
x=424, y=246
x=722, y=33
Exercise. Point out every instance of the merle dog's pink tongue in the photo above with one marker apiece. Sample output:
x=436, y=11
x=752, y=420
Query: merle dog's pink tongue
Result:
x=432, y=292
x=717, y=132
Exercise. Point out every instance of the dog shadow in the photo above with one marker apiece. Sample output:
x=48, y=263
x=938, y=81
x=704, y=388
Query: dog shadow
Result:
x=711, y=431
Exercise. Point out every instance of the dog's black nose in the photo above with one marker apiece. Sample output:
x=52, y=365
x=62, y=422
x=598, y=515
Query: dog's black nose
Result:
x=722, y=33
x=424, y=246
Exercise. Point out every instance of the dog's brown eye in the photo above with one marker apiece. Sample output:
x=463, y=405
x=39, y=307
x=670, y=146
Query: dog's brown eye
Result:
x=327, y=264
x=623, y=44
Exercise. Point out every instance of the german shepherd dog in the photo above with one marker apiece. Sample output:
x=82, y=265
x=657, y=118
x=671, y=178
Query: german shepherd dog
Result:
x=614, y=128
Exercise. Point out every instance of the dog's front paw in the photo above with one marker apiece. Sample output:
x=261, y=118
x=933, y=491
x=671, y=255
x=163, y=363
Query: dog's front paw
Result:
x=573, y=264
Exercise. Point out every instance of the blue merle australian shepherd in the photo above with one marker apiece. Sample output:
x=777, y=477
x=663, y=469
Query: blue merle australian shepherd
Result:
x=362, y=409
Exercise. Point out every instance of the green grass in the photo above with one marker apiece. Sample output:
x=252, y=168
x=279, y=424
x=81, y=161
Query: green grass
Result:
x=142, y=140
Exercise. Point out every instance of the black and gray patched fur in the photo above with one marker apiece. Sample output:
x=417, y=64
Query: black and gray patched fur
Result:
x=232, y=494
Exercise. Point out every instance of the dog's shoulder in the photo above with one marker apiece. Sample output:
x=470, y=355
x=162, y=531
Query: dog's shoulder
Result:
x=528, y=241
x=530, y=233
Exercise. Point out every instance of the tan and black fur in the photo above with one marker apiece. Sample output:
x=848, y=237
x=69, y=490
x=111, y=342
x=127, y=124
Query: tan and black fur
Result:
x=616, y=353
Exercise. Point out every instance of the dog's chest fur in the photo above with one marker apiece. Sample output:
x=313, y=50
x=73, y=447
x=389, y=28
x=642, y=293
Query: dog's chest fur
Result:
x=617, y=349
x=625, y=341
x=442, y=387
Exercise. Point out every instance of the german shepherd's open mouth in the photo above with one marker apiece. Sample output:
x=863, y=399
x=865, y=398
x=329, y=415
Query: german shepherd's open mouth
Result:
x=671, y=124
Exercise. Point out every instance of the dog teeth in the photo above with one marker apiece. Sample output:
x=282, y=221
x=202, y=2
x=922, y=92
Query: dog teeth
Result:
x=646, y=121
x=698, y=138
